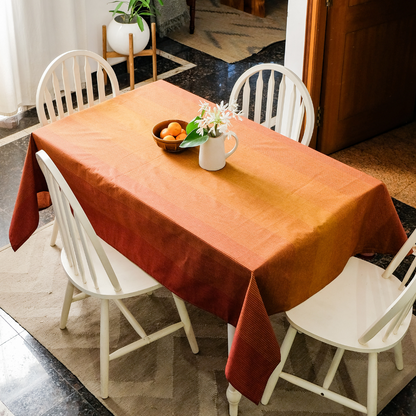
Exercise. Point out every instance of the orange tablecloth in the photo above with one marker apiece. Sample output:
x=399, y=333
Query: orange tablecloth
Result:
x=272, y=228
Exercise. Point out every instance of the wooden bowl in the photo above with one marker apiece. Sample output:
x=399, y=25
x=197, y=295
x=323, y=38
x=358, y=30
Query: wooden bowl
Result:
x=171, y=146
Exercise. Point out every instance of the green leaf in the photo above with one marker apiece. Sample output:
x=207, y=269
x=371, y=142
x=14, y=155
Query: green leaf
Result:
x=192, y=125
x=117, y=7
x=194, y=139
x=140, y=23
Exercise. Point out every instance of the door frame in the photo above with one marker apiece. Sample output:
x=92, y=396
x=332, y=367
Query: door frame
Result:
x=316, y=17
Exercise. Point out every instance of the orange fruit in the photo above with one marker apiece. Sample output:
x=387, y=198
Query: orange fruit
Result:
x=169, y=137
x=181, y=136
x=183, y=131
x=164, y=133
x=174, y=128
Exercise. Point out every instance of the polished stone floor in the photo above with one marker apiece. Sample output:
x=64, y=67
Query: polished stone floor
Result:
x=32, y=381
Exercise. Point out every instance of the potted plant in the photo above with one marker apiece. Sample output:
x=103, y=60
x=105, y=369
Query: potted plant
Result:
x=209, y=131
x=130, y=21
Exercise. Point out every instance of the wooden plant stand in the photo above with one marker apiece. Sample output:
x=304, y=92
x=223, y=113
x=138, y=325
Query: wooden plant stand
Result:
x=130, y=57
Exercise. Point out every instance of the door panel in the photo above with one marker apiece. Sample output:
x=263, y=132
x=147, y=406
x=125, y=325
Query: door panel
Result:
x=369, y=82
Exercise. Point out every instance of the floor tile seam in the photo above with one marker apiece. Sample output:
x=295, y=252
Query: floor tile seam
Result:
x=2, y=317
x=185, y=65
x=27, y=389
x=9, y=339
x=19, y=135
x=4, y=410
x=63, y=400
x=47, y=377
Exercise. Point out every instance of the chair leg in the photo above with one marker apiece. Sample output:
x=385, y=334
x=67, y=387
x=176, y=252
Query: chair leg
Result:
x=104, y=347
x=333, y=368
x=284, y=353
x=69, y=293
x=54, y=233
x=183, y=314
x=398, y=356
x=233, y=397
x=372, y=385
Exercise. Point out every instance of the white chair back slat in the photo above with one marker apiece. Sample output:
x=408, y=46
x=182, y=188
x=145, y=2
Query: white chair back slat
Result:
x=71, y=205
x=88, y=83
x=269, y=100
x=77, y=82
x=409, y=274
x=68, y=62
x=59, y=213
x=78, y=263
x=395, y=309
x=100, y=83
x=401, y=254
x=398, y=310
x=286, y=112
x=291, y=114
x=86, y=250
x=297, y=123
x=402, y=317
x=246, y=99
x=58, y=98
x=396, y=321
x=67, y=90
x=49, y=106
x=258, y=98
x=280, y=104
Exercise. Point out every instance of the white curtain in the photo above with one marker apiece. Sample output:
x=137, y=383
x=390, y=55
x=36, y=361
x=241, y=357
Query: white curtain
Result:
x=32, y=34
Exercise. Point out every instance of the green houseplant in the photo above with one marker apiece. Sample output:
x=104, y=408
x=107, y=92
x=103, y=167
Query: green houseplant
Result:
x=128, y=20
x=210, y=123
x=135, y=9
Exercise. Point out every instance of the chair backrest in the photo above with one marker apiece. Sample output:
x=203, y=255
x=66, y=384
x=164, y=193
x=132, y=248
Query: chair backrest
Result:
x=282, y=106
x=67, y=69
x=399, y=309
x=74, y=226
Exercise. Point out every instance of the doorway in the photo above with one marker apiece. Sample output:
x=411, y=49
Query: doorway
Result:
x=359, y=67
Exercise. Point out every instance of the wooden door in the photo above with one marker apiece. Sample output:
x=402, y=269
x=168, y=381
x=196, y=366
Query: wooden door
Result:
x=369, y=70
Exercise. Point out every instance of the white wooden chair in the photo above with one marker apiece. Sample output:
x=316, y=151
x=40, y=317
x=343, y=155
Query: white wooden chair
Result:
x=100, y=271
x=63, y=76
x=293, y=101
x=366, y=309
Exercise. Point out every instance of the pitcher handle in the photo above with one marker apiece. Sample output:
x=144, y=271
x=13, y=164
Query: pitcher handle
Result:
x=231, y=133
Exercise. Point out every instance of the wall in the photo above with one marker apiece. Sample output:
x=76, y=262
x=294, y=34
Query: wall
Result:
x=295, y=35
x=98, y=15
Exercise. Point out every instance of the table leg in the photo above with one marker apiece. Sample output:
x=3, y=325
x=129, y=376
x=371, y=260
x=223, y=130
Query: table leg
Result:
x=233, y=395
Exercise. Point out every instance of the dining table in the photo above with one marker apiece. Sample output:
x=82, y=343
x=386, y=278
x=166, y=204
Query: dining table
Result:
x=269, y=230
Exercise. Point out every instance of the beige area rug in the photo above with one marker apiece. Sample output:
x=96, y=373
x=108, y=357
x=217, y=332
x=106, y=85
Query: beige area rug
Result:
x=165, y=378
x=232, y=35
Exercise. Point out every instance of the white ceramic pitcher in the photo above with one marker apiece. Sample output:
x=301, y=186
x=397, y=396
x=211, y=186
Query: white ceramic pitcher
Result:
x=212, y=153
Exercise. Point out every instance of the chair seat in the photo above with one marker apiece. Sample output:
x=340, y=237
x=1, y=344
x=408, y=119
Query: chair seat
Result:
x=340, y=313
x=133, y=280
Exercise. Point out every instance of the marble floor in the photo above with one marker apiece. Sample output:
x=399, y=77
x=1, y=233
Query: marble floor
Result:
x=32, y=381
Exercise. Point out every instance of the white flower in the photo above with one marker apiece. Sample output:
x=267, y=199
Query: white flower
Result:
x=218, y=119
